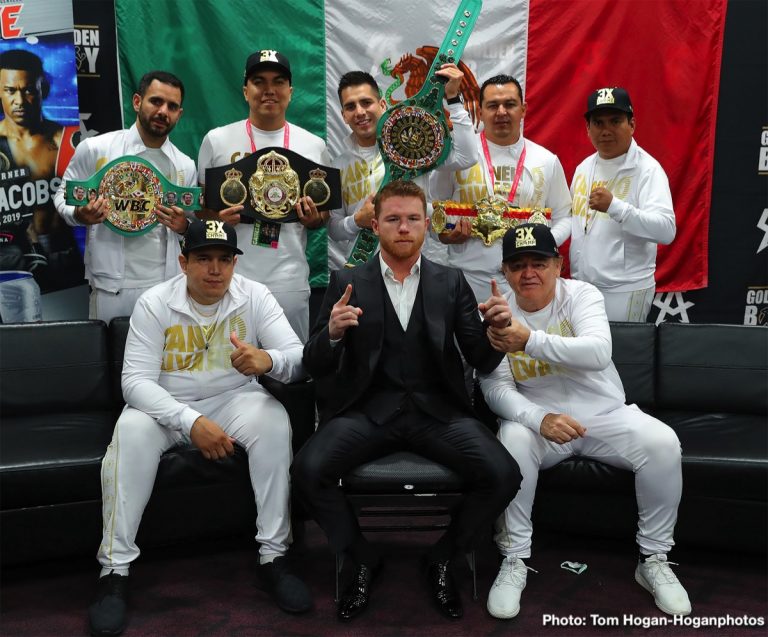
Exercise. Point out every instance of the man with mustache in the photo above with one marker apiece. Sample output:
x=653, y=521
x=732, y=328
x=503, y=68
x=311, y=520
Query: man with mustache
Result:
x=511, y=167
x=120, y=268
x=622, y=208
x=34, y=149
x=362, y=169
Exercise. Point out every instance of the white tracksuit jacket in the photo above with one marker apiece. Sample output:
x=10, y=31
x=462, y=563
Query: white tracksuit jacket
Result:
x=167, y=364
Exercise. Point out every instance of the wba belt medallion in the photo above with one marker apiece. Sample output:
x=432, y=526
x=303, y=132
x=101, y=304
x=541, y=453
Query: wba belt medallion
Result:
x=232, y=191
x=132, y=188
x=413, y=135
x=317, y=188
x=274, y=187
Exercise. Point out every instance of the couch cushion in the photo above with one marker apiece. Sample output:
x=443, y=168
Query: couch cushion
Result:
x=54, y=367
x=577, y=475
x=402, y=472
x=724, y=455
x=185, y=467
x=634, y=355
x=713, y=368
x=52, y=458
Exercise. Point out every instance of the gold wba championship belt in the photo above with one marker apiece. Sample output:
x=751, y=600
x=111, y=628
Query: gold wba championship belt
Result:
x=491, y=217
x=413, y=135
x=132, y=188
x=269, y=183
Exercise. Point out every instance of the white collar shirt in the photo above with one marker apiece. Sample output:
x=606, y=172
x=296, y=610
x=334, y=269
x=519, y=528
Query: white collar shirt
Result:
x=402, y=295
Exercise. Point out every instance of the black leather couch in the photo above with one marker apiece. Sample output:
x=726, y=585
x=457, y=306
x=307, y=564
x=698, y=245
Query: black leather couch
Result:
x=60, y=396
x=710, y=384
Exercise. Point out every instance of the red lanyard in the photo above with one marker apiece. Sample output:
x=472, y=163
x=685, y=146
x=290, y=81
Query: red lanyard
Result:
x=518, y=169
x=286, y=135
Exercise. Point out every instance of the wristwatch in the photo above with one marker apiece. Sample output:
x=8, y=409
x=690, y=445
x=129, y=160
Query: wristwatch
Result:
x=457, y=99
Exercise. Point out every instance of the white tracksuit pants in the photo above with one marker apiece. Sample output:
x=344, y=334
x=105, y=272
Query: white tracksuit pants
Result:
x=629, y=306
x=256, y=420
x=625, y=438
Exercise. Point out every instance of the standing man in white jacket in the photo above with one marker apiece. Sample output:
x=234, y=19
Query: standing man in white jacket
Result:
x=280, y=264
x=120, y=268
x=511, y=167
x=195, y=347
x=362, y=168
x=558, y=394
x=622, y=208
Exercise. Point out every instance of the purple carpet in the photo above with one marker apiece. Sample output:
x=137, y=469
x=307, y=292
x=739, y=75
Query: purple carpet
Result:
x=213, y=589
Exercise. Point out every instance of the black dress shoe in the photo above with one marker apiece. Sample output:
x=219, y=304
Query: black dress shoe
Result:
x=355, y=598
x=443, y=590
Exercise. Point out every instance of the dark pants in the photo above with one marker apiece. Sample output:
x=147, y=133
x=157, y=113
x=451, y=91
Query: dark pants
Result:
x=464, y=445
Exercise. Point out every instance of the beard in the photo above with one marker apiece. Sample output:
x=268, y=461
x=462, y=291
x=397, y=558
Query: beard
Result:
x=401, y=250
x=155, y=127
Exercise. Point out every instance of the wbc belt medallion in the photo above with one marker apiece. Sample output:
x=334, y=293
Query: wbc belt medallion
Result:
x=491, y=217
x=274, y=187
x=132, y=189
x=413, y=138
x=413, y=135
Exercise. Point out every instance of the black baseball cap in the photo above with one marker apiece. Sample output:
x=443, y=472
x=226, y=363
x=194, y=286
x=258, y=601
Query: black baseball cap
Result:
x=267, y=59
x=611, y=97
x=529, y=238
x=210, y=232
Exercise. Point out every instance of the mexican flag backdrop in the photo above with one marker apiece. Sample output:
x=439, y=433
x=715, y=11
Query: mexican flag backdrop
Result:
x=665, y=52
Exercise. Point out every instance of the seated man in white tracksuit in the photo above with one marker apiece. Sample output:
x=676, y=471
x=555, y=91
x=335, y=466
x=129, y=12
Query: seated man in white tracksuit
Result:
x=558, y=394
x=196, y=344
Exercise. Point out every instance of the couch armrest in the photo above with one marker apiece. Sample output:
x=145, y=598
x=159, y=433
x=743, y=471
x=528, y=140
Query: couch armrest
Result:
x=299, y=401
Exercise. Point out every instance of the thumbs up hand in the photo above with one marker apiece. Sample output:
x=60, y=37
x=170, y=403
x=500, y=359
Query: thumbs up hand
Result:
x=248, y=359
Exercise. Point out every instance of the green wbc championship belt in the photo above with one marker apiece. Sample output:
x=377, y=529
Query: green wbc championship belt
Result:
x=132, y=188
x=413, y=135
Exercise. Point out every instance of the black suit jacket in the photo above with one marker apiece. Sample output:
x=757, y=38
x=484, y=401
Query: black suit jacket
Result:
x=343, y=373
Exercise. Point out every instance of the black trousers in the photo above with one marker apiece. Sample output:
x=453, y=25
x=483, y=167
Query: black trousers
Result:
x=464, y=445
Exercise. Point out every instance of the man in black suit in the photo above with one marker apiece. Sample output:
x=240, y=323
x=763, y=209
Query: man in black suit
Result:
x=384, y=356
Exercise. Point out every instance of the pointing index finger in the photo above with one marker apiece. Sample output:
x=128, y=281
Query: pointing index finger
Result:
x=344, y=300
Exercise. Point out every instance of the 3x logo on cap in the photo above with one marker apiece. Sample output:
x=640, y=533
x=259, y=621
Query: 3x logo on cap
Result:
x=267, y=58
x=610, y=97
x=533, y=238
x=211, y=232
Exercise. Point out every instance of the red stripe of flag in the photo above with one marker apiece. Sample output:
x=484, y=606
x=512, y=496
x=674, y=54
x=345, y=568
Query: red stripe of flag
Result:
x=667, y=54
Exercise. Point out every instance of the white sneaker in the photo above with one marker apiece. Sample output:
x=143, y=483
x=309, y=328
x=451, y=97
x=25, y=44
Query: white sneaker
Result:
x=504, y=596
x=655, y=576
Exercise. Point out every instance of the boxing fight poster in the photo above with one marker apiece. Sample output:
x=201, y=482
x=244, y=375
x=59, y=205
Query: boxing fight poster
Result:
x=39, y=252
